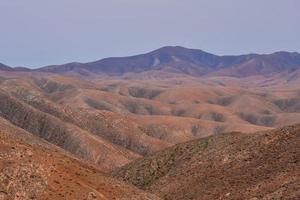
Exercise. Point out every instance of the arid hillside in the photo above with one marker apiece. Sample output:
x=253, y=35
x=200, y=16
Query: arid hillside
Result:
x=262, y=165
x=31, y=168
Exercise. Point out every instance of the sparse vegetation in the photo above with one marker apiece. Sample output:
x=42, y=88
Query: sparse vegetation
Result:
x=223, y=166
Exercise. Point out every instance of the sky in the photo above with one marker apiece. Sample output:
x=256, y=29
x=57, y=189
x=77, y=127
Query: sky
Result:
x=35, y=33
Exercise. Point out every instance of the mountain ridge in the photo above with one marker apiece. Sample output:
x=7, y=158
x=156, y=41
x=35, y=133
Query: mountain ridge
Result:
x=179, y=60
x=182, y=60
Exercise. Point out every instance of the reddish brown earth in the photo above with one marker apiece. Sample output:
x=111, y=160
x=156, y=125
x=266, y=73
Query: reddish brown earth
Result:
x=33, y=169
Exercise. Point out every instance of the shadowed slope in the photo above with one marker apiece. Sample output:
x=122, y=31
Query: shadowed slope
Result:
x=227, y=166
x=5, y=67
x=65, y=99
x=65, y=135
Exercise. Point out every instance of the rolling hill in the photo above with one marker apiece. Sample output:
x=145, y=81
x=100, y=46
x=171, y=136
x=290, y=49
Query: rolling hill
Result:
x=111, y=122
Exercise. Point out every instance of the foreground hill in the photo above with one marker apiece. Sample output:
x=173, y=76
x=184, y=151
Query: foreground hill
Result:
x=263, y=165
x=180, y=60
x=33, y=169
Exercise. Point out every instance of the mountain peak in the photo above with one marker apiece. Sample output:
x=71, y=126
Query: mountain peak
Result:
x=166, y=48
x=177, y=49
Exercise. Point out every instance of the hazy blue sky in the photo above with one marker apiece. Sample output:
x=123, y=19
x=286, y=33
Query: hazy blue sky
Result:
x=40, y=32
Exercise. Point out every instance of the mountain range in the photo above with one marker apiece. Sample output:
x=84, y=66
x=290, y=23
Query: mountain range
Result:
x=183, y=61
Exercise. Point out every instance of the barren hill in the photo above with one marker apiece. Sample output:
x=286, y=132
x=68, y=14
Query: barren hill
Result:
x=262, y=165
x=33, y=169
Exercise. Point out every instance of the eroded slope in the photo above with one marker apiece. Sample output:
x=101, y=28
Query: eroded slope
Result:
x=33, y=169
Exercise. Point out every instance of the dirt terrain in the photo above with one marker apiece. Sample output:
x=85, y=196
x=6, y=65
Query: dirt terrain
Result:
x=262, y=165
x=33, y=169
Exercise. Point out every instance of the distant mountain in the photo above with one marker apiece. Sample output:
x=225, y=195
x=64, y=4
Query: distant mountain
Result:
x=261, y=64
x=185, y=61
x=5, y=67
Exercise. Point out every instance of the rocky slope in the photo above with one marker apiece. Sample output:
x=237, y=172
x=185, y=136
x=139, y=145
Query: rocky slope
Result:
x=262, y=165
x=33, y=169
